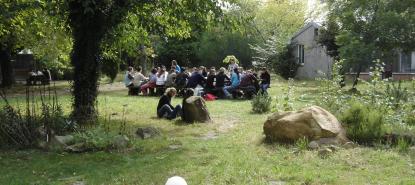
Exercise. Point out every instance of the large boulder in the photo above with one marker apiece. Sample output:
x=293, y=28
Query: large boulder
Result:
x=313, y=123
x=195, y=110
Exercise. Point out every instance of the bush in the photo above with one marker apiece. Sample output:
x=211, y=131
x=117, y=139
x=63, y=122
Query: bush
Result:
x=261, y=103
x=365, y=125
x=95, y=139
x=403, y=145
x=24, y=127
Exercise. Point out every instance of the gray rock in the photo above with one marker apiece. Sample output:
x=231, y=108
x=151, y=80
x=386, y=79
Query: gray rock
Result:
x=277, y=183
x=313, y=145
x=64, y=140
x=120, y=142
x=324, y=152
x=147, y=132
x=77, y=148
x=58, y=143
x=349, y=145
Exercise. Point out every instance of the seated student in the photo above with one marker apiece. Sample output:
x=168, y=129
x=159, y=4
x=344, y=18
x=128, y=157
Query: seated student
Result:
x=164, y=107
x=235, y=80
x=221, y=80
x=181, y=78
x=195, y=79
x=138, y=78
x=171, y=77
x=176, y=66
x=265, y=80
x=204, y=71
x=249, y=84
x=161, y=80
x=210, y=82
x=128, y=78
x=151, y=83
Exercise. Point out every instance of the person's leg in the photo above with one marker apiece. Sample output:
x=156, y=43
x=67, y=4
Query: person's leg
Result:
x=144, y=88
x=226, y=91
x=164, y=111
x=176, y=112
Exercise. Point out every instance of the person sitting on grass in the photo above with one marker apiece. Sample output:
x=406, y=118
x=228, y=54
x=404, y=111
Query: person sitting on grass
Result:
x=171, y=77
x=151, y=84
x=235, y=80
x=210, y=81
x=196, y=79
x=221, y=80
x=164, y=107
x=249, y=84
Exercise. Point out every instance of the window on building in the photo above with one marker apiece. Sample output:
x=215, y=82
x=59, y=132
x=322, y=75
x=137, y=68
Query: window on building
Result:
x=406, y=64
x=316, y=32
x=300, y=54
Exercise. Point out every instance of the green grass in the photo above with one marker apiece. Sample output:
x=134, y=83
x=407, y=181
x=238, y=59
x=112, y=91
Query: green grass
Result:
x=228, y=151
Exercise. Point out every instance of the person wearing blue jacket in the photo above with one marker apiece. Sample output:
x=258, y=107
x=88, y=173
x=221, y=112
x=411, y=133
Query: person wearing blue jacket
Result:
x=235, y=80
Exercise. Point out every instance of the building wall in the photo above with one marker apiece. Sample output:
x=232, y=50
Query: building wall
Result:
x=316, y=61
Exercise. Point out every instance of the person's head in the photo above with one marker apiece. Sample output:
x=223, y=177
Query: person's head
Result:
x=130, y=69
x=232, y=60
x=264, y=70
x=174, y=63
x=172, y=69
x=222, y=70
x=154, y=70
x=212, y=72
x=194, y=69
x=171, y=92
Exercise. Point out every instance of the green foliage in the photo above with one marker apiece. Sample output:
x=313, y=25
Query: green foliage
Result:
x=96, y=139
x=110, y=66
x=364, y=124
x=403, y=145
x=22, y=128
x=261, y=103
x=369, y=29
x=397, y=94
x=302, y=144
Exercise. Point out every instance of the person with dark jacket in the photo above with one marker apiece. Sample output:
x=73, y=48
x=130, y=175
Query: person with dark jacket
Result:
x=210, y=81
x=249, y=84
x=265, y=80
x=195, y=79
x=221, y=78
x=164, y=107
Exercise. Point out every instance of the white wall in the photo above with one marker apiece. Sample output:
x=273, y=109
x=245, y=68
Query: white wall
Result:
x=315, y=57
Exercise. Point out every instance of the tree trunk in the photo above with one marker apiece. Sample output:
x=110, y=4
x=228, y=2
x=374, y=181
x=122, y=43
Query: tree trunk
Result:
x=6, y=68
x=356, y=79
x=88, y=33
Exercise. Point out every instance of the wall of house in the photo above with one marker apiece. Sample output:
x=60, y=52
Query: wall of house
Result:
x=316, y=61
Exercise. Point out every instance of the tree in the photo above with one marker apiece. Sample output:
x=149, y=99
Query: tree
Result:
x=13, y=15
x=371, y=29
x=92, y=20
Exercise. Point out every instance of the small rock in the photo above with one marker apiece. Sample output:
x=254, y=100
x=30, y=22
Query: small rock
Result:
x=79, y=183
x=333, y=148
x=76, y=148
x=277, y=183
x=120, y=142
x=147, y=132
x=64, y=140
x=349, y=145
x=313, y=145
x=175, y=147
x=324, y=152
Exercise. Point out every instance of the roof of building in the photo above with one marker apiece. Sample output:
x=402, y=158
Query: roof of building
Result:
x=302, y=30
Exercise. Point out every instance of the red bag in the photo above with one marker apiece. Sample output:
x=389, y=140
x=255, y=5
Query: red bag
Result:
x=210, y=97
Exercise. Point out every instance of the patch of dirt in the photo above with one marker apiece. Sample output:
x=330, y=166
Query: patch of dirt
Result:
x=221, y=125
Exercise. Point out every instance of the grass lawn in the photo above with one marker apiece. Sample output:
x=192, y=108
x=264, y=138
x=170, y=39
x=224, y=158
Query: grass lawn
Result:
x=228, y=151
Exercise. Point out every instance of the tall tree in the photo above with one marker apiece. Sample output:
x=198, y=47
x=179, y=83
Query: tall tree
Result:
x=92, y=20
x=13, y=15
x=371, y=29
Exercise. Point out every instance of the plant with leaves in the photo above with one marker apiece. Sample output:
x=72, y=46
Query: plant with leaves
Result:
x=370, y=30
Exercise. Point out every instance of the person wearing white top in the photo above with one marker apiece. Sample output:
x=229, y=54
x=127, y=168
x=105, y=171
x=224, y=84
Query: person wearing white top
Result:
x=161, y=77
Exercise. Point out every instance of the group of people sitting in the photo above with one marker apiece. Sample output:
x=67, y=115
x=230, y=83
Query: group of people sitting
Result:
x=224, y=83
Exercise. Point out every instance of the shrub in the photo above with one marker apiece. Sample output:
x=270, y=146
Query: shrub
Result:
x=95, y=139
x=396, y=93
x=261, y=103
x=365, y=125
x=403, y=145
x=302, y=143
